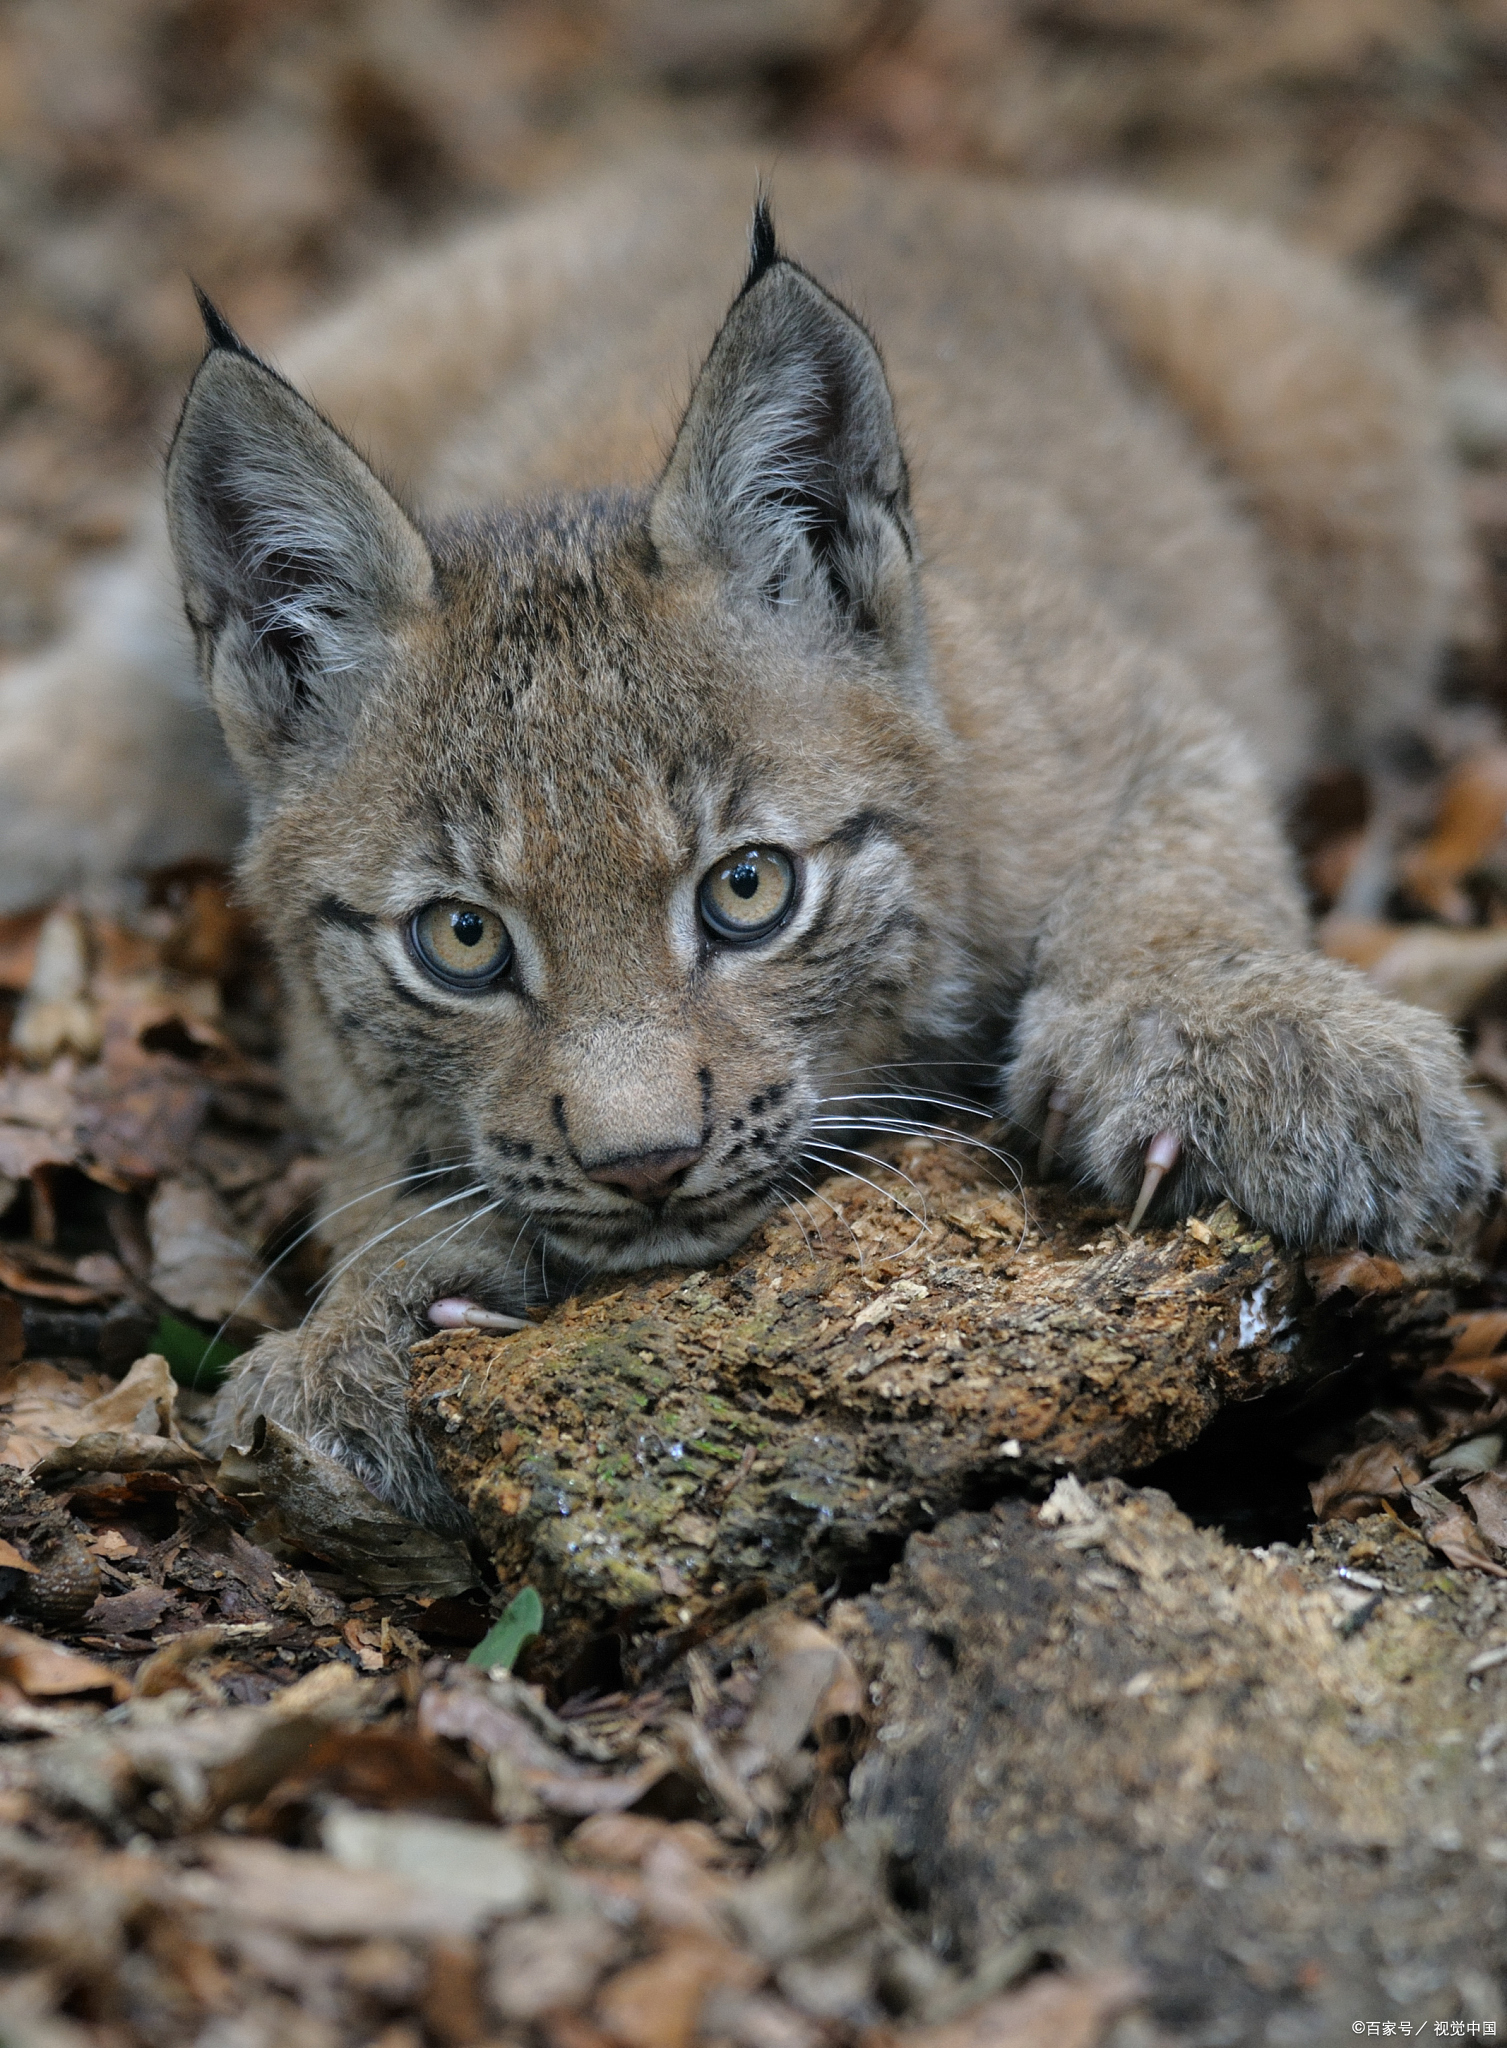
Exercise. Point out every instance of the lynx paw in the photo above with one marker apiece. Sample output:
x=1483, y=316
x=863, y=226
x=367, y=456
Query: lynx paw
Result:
x=344, y=1391
x=1327, y=1112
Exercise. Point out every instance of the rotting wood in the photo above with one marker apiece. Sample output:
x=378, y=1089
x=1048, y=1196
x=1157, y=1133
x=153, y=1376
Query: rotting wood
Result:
x=661, y=1450
x=1267, y=1779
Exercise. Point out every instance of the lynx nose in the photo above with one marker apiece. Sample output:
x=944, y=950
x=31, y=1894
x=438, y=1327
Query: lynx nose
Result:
x=646, y=1176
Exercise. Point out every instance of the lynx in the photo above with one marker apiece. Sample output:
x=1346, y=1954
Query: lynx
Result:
x=663, y=798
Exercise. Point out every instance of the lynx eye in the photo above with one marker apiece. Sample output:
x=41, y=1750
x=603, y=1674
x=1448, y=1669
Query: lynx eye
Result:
x=747, y=893
x=461, y=944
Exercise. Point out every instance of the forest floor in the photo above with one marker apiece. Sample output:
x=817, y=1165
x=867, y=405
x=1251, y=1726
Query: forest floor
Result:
x=1223, y=1757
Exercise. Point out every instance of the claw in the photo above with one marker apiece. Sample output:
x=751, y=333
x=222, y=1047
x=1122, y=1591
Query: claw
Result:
x=1059, y=1107
x=1161, y=1156
x=456, y=1312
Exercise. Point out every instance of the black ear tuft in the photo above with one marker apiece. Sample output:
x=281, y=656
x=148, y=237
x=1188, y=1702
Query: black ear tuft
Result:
x=763, y=249
x=218, y=331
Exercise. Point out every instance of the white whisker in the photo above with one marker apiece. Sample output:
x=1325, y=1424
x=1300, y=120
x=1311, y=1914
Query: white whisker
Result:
x=436, y=1241
x=990, y=1067
x=402, y=1223
x=909, y=1127
x=792, y=1203
x=904, y=1125
x=901, y=1096
x=368, y=1195
x=817, y=1196
x=852, y=1152
x=885, y=1194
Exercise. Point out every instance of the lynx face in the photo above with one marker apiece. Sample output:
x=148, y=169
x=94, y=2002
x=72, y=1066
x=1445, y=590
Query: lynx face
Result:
x=603, y=843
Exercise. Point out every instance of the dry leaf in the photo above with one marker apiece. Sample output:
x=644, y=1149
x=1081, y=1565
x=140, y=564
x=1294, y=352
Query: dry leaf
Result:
x=12, y=1332
x=680, y=1891
x=18, y=948
x=1450, y=1530
x=32, y=1270
x=136, y=1117
x=657, y=2004
x=1477, y=1334
x=541, y=1965
x=44, y=1671
x=1463, y=1544
x=1358, y=1482
x=1488, y=1498
x=133, y=1613
x=808, y=1681
x=319, y=1899
x=479, y=1866
x=1445, y=971
x=145, y=1402
x=312, y=1502
x=388, y=1769
x=23, y=1150
x=37, y=1127
x=330, y=1692
x=1470, y=822
x=168, y=1669
x=1356, y=1272
x=466, y=1713
x=42, y=1406
x=56, y=1014
x=120, y=1450
x=201, y=1264
x=93, y=1424
x=624, y=1840
x=556, y=1781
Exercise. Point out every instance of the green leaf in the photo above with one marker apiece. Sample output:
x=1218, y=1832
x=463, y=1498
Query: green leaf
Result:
x=195, y=1361
x=521, y=1621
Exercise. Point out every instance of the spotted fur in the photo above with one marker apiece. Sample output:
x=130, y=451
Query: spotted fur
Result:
x=1179, y=523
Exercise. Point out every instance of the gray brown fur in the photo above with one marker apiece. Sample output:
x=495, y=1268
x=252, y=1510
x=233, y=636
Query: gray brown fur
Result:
x=1179, y=524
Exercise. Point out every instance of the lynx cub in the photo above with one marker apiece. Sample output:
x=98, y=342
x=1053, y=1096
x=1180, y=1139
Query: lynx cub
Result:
x=622, y=814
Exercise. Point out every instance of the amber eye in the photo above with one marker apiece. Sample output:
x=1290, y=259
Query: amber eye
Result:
x=461, y=944
x=747, y=893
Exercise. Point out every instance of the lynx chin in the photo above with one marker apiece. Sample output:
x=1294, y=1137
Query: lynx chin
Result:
x=625, y=822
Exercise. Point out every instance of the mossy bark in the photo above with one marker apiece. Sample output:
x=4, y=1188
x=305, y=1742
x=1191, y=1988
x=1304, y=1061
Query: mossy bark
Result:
x=659, y=1452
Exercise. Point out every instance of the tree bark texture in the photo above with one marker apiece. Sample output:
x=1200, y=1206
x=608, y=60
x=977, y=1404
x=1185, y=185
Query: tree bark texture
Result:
x=658, y=1452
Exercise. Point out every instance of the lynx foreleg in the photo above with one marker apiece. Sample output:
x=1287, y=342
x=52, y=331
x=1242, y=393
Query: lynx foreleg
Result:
x=341, y=1380
x=1179, y=1033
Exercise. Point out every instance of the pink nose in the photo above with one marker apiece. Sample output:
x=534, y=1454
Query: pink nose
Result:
x=646, y=1176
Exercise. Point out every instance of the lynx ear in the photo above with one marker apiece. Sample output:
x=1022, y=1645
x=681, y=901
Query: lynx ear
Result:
x=296, y=562
x=787, y=473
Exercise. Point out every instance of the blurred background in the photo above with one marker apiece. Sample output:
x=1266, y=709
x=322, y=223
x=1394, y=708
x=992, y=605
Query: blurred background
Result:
x=275, y=149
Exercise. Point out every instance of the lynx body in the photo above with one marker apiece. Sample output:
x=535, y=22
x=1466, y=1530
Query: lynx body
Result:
x=660, y=790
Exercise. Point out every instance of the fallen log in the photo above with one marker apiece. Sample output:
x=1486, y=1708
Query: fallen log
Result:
x=657, y=1454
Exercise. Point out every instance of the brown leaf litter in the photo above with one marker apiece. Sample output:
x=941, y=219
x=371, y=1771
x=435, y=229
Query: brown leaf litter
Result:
x=236, y=1741
x=1435, y=1454
x=305, y=1825
x=440, y=1845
